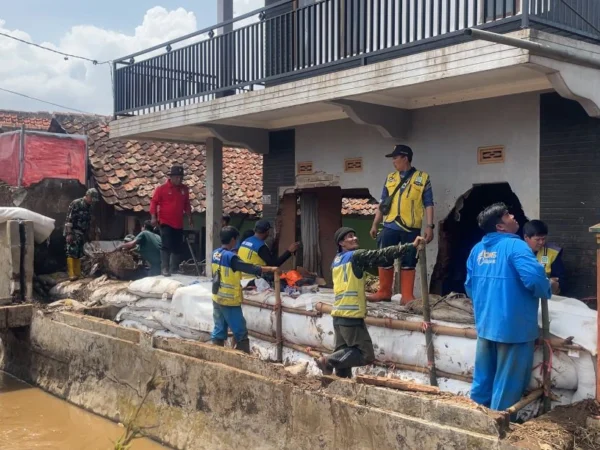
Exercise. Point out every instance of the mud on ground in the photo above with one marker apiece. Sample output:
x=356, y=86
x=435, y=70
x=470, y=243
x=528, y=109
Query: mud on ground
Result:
x=563, y=428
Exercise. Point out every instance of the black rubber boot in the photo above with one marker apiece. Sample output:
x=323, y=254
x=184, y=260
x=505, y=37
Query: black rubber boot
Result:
x=343, y=373
x=218, y=342
x=243, y=345
x=165, y=257
x=346, y=359
x=324, y=365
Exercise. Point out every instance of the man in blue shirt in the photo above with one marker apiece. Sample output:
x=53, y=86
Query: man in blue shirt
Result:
x=406, y=205
x=505, y=281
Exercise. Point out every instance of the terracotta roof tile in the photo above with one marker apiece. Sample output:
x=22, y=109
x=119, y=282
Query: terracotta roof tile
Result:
x=127, y=172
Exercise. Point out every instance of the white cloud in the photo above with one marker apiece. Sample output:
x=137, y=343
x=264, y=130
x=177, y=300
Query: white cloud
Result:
x=75, y=83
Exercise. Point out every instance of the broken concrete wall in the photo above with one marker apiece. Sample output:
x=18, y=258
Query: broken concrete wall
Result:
x=214, y=398
x=16, y=261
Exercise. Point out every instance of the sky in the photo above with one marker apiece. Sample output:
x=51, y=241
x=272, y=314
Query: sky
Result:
x=97, y=30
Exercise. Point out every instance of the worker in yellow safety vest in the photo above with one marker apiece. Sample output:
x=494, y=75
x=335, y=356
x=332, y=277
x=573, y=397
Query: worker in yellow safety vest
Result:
x=353, y=346
x=406, y=200
x=227, y=269
x=254, y=250
x=549, y=255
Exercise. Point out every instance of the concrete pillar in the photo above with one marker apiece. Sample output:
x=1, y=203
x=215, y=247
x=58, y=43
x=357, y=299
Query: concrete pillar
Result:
x=214, y=197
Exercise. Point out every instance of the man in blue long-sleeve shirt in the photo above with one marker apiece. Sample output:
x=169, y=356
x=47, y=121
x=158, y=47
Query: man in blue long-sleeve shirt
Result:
x=505, y=281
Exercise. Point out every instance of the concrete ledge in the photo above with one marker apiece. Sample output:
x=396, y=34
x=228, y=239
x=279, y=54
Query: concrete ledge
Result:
x=15, y=316
x=98, y=325
x=222, y=355
x=432, y=408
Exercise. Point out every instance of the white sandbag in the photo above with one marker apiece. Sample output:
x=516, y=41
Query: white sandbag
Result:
x=586, y=376
x=571, y=317
x=159, y=286
x=114, y=294
x=144, y=317
x=191, y=308
x=304, y=301
x=151, y=304
x=137, y=326
x=309, y=331
x=69, y=289
x=165, y=334
x=564, y=373
x=42, y=226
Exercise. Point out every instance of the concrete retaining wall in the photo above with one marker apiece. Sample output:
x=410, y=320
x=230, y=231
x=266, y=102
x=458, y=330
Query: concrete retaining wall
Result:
x=220, y=399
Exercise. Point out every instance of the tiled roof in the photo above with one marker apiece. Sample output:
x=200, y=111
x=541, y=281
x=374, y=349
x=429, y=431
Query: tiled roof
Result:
x=359, y=206
x=13, y=120
x=126, y=172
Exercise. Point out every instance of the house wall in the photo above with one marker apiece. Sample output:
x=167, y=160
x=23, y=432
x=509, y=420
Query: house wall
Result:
x=569, y=184
x=445, y=140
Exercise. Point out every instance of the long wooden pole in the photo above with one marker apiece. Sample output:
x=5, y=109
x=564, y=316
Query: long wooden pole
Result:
x=533, y=396
x=427, y=317
x=278, y=315
x=547, y=355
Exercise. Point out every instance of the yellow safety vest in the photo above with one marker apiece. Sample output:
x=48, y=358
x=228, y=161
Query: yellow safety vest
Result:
x=546, y=256
x=230, y=289
x=407, y=205
x=350, y=300
x=248, y=253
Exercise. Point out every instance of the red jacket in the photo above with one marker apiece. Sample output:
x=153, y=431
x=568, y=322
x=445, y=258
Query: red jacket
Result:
x=171, y=202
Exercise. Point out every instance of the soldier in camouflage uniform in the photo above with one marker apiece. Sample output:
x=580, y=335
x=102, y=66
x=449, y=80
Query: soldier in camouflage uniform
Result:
x=353, y=346
x=77, y=227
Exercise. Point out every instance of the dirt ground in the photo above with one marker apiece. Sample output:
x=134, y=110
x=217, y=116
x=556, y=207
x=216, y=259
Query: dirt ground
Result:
x=563, y=428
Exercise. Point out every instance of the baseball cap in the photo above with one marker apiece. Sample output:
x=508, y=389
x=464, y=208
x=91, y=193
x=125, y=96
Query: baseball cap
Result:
x=262, y=226
x=93, y=194
x=401, y=150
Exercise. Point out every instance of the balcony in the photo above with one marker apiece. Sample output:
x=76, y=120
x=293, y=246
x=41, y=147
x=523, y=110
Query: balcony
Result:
x=283, y=44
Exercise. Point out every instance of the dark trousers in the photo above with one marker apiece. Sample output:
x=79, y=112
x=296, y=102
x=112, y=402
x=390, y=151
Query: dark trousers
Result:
x=353, y=348
x=389, y=237
x=171, y=245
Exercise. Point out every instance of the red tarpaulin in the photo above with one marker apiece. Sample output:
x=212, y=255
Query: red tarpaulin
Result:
x=9, y=158
x=48, y=156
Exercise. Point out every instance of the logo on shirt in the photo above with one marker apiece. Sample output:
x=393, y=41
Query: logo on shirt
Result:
x=486, y=258
x=337, y=259
x=544, y=260
x=419, y=181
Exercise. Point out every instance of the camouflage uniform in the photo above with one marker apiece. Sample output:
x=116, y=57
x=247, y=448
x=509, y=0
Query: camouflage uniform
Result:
x=77, y=225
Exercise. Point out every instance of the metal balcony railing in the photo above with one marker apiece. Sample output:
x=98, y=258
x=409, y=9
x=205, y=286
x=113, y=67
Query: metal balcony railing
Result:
x=282, y=44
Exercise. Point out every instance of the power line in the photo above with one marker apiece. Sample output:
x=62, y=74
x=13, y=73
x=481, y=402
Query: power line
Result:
x=44, y=101
x=67, y=55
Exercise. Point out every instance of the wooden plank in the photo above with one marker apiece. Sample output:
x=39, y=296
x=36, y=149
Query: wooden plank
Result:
x=397, y=384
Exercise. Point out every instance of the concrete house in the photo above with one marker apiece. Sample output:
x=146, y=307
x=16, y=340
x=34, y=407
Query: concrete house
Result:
x=499, y=100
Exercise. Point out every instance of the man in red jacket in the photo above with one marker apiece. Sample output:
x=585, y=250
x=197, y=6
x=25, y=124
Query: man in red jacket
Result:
x=170, y=202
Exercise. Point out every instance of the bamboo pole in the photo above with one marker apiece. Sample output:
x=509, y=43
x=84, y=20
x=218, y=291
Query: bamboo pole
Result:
x=533, y=396
x=301, y=312
x=442, y=330
x=278, y=314
x=547, y=354
x=397, y=384
x=427, y=317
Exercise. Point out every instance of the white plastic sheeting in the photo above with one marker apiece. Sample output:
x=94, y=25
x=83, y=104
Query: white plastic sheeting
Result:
x=42, y=225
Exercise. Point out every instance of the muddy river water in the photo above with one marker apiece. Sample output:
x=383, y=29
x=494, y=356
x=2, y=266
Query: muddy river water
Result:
x=31, y=419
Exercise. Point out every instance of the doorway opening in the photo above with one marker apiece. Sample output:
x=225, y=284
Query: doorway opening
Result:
x=459, y=233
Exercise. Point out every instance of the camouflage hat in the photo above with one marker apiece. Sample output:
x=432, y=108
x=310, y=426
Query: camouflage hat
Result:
x=93, y=194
